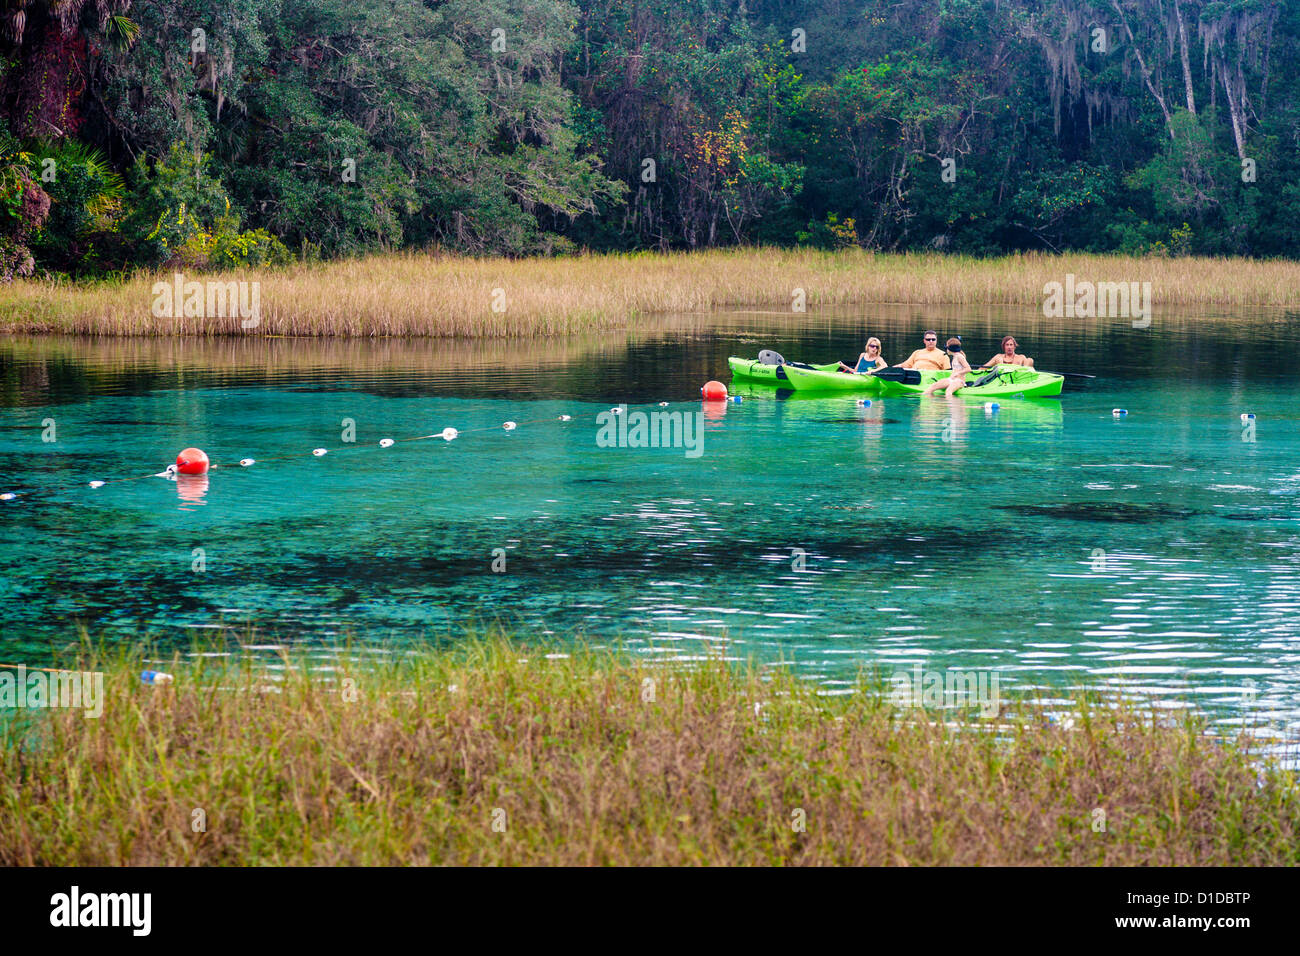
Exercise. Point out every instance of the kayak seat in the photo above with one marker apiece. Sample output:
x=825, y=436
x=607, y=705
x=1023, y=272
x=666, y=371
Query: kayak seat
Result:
x=768, y=357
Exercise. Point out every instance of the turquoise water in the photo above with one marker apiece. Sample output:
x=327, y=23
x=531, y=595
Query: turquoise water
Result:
x=1049, y=540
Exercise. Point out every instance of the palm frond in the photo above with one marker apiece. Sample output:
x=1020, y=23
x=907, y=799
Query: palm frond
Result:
x=121, y=31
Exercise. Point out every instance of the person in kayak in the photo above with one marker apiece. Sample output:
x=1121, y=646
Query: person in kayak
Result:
x=930, y=357
x=957, y=380
x=1008, y=355
x=869, y=360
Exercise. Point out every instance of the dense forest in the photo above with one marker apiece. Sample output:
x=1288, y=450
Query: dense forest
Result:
x=141, y=133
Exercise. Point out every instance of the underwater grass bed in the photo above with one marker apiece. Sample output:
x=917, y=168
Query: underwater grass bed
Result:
x=492, y=753
x=419, y=294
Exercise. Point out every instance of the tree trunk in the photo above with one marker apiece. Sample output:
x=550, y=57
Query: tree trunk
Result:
x=1186, y=58
x=1146, y=73
x=1235, y=92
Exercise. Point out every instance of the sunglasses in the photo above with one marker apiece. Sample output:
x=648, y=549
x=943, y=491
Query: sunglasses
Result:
x=931, y=338
x=873, y=346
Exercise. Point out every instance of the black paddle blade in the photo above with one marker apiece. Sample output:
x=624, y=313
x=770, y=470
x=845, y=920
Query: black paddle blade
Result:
x=896, y=373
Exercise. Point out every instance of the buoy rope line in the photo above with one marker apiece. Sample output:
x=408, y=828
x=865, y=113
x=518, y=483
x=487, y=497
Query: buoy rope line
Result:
x=201, y=466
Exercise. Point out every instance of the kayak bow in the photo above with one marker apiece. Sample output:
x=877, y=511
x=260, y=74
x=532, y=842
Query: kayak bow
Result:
x=754, y=371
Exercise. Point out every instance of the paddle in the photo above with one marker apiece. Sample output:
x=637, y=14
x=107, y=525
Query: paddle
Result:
x=1066, y=374
x=896, y=373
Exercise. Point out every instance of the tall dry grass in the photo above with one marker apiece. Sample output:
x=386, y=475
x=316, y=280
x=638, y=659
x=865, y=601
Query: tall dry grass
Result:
x=414, y=294
x=602, y=759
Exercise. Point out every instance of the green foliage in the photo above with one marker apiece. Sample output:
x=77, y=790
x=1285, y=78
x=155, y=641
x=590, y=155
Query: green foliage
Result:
x=539, y=126
x=830, y=234
x=224, y=246
x=86, y=196
x=1129, y=235
x=24, y=207
x=15, y=176
x=171, y=198
x=174, y=200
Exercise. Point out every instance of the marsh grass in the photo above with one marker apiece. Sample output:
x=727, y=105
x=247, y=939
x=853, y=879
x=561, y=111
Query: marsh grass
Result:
x=585, y=762
x=416, y=294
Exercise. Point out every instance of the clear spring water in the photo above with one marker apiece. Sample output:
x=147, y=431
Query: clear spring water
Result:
x=1050, y=541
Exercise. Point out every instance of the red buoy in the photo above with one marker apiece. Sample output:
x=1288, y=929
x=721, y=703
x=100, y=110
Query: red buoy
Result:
x=192, y=461
x=714, y=392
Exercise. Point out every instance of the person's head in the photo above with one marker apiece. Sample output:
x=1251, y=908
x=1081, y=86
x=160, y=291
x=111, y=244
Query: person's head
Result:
x=931, y=339
x=1009, y=344
x=954, y=344
x=873, y=344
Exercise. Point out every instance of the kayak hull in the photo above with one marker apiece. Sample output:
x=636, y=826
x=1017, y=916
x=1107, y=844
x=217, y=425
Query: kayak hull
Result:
x=827, y=380
x=1015, y=381
x=835, y=381
x=751, y=370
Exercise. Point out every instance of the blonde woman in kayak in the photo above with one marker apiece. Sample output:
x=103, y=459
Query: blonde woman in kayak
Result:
x=869, y=360
x=1008, y=355
x=960, y=367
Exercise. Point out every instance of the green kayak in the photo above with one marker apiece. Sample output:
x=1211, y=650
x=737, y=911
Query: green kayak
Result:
x=1012, y=381
x=814, y=380
x=755, y=371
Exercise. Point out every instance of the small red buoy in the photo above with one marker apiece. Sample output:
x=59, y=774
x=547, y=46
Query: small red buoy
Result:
x=192, y=461
x=714, y=392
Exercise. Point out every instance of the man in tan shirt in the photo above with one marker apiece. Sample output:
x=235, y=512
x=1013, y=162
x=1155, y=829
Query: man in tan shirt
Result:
x=930, y=357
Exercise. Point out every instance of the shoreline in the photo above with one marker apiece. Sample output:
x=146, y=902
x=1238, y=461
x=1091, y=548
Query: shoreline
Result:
x=411, y=295
x=491, y=752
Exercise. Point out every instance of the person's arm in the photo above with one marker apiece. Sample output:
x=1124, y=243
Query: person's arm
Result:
x=1029, y=363
x=995, y=360
x=908, y=362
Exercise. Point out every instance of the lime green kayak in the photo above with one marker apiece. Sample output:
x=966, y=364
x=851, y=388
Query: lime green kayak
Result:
x=812, y=380
x=1012, y=381
x=755, y=371
x=826, y=379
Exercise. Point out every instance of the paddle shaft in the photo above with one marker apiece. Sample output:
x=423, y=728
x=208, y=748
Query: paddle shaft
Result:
x=1066, y=374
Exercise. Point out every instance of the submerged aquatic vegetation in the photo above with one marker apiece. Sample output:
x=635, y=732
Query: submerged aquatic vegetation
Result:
x=1109, y=511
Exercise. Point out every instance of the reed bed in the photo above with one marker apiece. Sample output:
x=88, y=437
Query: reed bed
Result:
x=491, y=753
x=418, y=294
